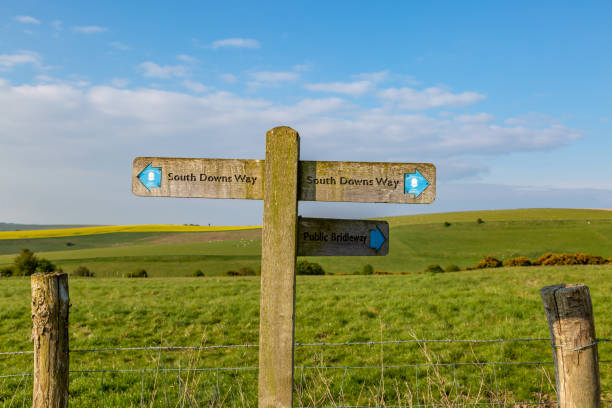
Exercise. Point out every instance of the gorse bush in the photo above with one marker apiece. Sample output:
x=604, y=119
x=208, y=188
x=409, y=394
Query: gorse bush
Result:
x=488, y=262
x=367, y=269
x=304, y=267
x=138, y=273
x=518, y=261
x=82, y=271
x=231, y=273
x=435, y=268
x=26, y=264
x=246, y=271
x=6, y=271
x=198, y=272
x=569, y=259
x=547, y=259
x=452, y=268
x=45, y=266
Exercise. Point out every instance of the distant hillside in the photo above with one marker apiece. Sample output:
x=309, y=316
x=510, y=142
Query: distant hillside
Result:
x=529, y=214
x=415, y=242
x=7, y=226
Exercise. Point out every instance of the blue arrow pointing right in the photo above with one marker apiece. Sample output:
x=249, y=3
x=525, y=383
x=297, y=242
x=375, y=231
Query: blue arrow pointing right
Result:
x=150, y=177
x=377, y=238
x=415, y=183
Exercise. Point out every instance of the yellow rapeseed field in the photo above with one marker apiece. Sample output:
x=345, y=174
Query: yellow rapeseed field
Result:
x=71, y=232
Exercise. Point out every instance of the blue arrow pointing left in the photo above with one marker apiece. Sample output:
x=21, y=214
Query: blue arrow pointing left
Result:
x=377, y=238
x=150, y=177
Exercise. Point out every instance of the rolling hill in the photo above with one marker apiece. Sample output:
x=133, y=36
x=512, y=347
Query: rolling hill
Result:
x=415, y=242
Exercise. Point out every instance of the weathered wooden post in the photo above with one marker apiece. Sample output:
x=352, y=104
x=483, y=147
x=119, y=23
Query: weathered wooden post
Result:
x=279, y=236
x=570, y=320
x=50, y=304
x=281, y=180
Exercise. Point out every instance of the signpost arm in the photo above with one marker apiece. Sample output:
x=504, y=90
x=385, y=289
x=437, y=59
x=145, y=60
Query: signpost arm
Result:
x=279, y=235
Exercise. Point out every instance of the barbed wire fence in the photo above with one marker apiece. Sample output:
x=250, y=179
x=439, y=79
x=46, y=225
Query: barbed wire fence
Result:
x=431, y=383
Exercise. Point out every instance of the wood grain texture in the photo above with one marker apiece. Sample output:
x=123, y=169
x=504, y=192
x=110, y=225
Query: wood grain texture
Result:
x=202, y=178
x=339, y=237
x=318, y=180
x=50, y=304
x=277, y=300
x=572, y=331
x=366, y=182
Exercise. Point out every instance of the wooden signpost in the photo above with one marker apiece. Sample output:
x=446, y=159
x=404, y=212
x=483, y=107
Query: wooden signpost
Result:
x=331, y=237
x=281, y=180
x=318, y=180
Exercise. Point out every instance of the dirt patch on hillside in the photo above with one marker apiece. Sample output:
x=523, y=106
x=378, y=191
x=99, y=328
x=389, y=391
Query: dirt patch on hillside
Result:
x=185, y=237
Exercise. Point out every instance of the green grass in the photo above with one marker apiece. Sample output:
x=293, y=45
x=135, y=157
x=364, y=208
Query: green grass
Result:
x=111, y=241
x=12, y=246
x=487, y=304
x=415, y=242
x=499, y=303
x=527, y=214
x=413, y=247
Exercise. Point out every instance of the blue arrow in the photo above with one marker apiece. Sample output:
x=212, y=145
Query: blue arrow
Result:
x=377, y=238
x=415, y=183
x=150, y=177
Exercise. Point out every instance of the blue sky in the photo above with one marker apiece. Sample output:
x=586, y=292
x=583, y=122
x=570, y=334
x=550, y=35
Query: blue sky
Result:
x=510, y=100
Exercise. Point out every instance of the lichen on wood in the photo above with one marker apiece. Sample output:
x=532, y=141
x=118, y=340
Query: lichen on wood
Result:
x=50, y=306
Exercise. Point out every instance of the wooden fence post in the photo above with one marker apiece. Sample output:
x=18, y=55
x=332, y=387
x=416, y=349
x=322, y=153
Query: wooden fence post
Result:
x=570, y=320
x=277, y=300
x=50, y=304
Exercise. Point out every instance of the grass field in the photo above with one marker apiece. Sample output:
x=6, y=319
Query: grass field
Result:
x=415, y=242
x=487, y=304
x=169, y=309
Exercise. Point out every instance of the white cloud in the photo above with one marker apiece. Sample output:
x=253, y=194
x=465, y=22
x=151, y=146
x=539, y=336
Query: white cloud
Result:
x=195, y=86
x=475, y=118
x=76, y=126
x=365, y=82
x=73, y=82
x=347, y=88
x=302, y=67
x=119, y=46
x=452, y=168
x=26, y=19
x=187, y=58
x=57, y=25
x=8, y=61
x=269, y=76
x=531, y=119
x=328, y=125
x=44, y=78
x=120, y=82
x=272, y=78
x=374, y=77
x=229, y=78
x=91, y=29
x=236, y=43
x=152, y=70
x=411, y=99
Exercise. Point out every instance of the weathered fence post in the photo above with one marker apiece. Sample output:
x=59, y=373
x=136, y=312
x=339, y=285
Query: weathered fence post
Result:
x=277, y=307
x=50, y=304
x=570, y=320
